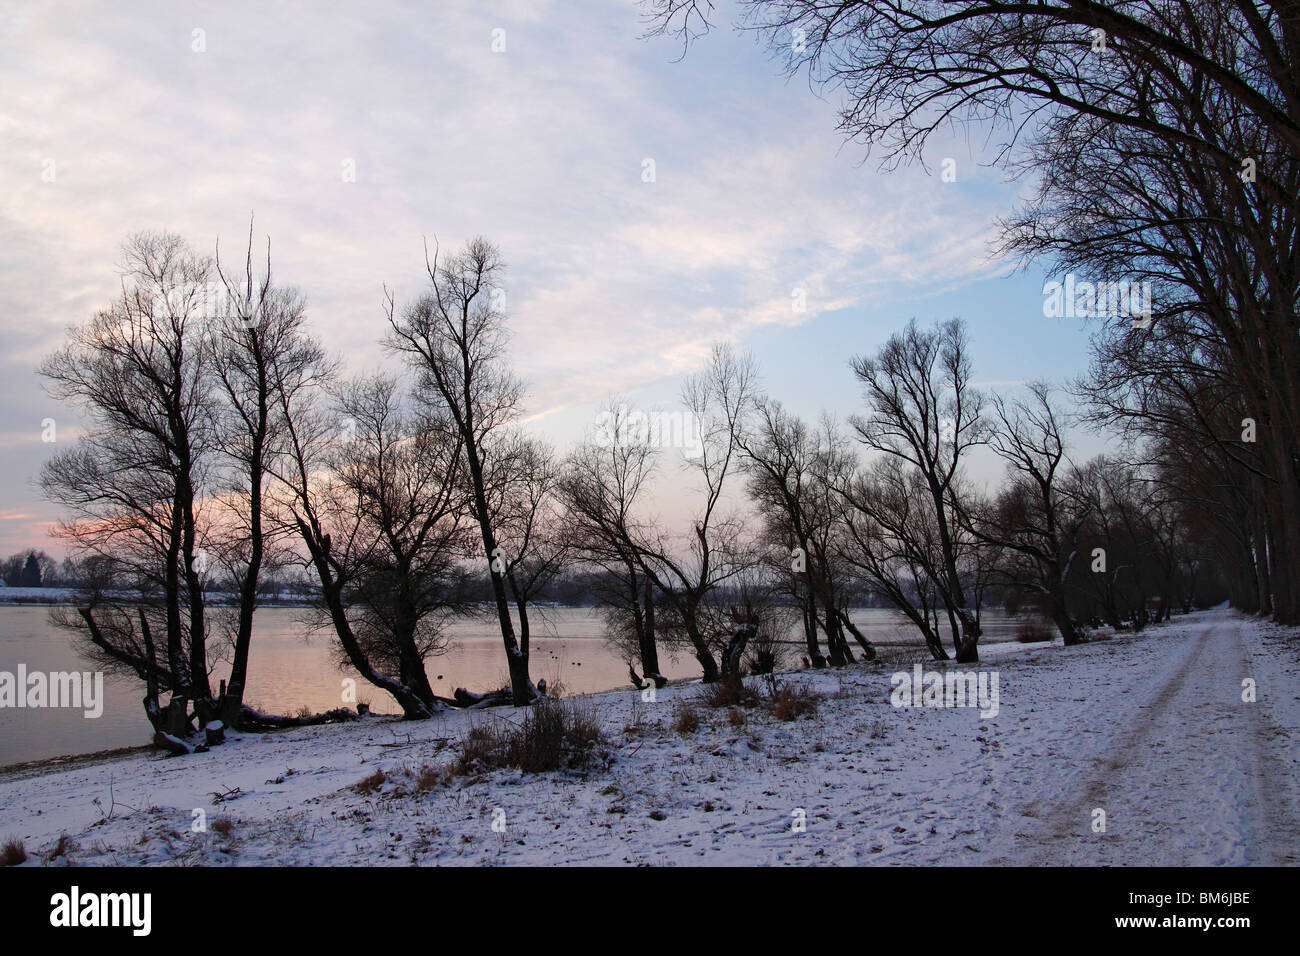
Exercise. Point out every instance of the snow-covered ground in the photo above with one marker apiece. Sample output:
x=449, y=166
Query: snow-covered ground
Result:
x=70, y=595
x=1149, y=728
x=51, y=595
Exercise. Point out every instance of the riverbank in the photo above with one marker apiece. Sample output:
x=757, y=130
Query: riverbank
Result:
x=1149, y=728
x=293, y=668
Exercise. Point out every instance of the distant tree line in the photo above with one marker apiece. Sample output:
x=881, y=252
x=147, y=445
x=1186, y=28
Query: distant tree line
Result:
x=1162, y=142
x=34, y=569
x=228, y=459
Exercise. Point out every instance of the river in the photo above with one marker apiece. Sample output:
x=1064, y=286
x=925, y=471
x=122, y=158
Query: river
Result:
x=290, y=669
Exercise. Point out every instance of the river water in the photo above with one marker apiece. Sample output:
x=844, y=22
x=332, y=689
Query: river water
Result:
x=291, y=668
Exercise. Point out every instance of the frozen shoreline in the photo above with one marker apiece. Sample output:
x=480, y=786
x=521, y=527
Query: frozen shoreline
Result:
x=1148, y=727
x=292, y=669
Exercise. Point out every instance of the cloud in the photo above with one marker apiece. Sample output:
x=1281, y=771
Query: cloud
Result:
x=614, y=282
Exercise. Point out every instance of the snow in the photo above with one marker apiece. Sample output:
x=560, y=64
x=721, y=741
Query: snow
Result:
x=1151, y=728
x=70, y=595
x=41, y=595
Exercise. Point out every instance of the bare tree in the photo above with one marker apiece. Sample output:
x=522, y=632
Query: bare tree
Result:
x=1032, y=520
x=603, y=486
x=454, y=336
x=893, y=541
x=782, y=456
x=923, y=412
x=910, y=67
x=522, y=481
x=1166, y=137
x=1124, y=550
x=718, y=546
x=375, y=492
x=133, y=483
x=262, y=361
x=1215, y=252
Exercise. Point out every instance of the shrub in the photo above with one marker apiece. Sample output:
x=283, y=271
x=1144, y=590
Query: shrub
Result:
x=60, y=848
x=792, y=701
x=371, y=784
x=539, y=743
x=1032, y=631
x=731, y=691
x=687, y=720
x=553, y=735
x=429, y=776
x=12, y=853
x=477, y=747
x=762, y=662
x=223, y=825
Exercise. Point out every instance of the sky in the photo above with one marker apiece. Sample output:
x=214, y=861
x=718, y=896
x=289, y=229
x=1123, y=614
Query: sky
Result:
x=647, y=204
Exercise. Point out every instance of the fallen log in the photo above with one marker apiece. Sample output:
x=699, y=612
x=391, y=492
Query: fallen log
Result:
x=642, y=683
x=173, y=745
x=471, y=701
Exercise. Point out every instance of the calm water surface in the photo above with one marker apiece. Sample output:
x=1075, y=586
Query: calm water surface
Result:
x=290, y=670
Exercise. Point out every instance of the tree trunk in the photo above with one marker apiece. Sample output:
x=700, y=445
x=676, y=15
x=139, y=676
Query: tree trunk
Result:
x=868, y=649
x=1284, y=545
x=413, y=708
x=702, y=652
x=521, y=686
x=151, y=676
x=835, y=653
x=735, y=650
x=646, y=638
x=815, y=657
x=1263, y=586
x=1060, y=614
x=968, y=649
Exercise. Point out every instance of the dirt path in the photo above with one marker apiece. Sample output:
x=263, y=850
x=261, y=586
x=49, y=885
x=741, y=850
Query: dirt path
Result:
x=1192, y=772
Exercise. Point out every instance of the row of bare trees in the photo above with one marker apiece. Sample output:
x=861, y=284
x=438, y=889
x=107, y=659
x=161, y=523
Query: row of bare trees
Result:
x=1163, y=142
x=883, y=507
x=222, y=437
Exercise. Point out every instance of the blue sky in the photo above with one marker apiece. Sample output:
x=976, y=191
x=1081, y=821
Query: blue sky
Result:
x=616, y=285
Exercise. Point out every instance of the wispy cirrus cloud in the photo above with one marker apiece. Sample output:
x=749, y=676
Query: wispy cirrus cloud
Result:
x=116, y=123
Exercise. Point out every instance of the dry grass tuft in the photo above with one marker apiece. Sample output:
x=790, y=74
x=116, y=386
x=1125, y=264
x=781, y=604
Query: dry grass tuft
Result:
x=687, y=720
x=429, y=777
x=12, y=853
x=372, y=783
x=60, y=848
x=791, y=701
x=554, y=735
x=731, y=691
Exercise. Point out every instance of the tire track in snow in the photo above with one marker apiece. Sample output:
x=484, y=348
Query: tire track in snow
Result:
x=1184, y=779
x=1274, y=789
